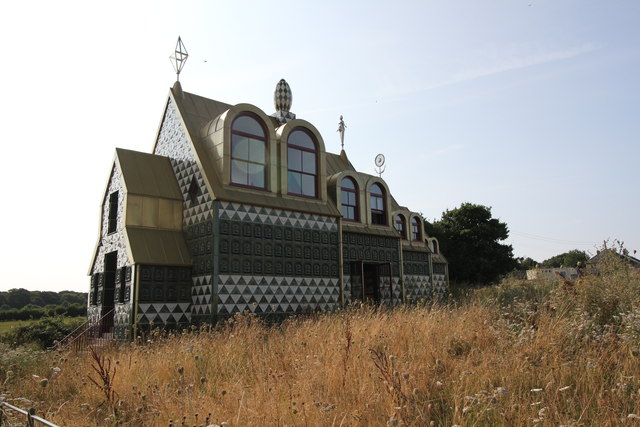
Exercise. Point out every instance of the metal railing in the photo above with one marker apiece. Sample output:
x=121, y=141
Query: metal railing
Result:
x=30, y=414
x=89, y=333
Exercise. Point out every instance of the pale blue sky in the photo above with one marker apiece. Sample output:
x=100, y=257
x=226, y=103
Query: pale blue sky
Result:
x=530, y=107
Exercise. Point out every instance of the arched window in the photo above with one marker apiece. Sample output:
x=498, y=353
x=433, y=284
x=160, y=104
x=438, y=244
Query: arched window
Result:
x=378, y=215
x=302, y=160
x=248, y=152
x=349, y=193
x=435, y=246
x=415, y=229
x=401, y=226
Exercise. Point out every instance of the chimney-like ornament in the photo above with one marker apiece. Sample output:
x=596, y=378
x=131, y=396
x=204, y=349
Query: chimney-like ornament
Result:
x=282, y=99
x=178, y=58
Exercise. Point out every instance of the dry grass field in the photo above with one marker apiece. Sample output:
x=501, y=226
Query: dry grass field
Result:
x=521, y=353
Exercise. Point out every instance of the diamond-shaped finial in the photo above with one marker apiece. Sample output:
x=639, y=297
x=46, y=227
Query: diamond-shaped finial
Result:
x=179, y=57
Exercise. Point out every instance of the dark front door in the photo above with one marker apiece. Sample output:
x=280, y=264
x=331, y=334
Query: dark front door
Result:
x=371, y=283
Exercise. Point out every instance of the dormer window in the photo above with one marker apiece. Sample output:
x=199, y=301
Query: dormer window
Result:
x=401, y=226
x=248, y=152
x=349, y=193
x=301, y=164
x=378, y=215
x=415, y=229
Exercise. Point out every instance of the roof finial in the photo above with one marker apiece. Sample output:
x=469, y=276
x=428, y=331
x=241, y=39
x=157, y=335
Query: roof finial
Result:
x=179, y=57
x=341, y=128
x=282, y=99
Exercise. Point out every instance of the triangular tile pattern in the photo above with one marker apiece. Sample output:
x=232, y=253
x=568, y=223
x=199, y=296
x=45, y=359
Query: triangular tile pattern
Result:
x=417, y=288
x=173, y=143
x=276, y=294
x=201, y=294
x=440, y=284
x=93, y=314
x=121, y=320
x=397, y=290
x=260, y=215
x=164, y=312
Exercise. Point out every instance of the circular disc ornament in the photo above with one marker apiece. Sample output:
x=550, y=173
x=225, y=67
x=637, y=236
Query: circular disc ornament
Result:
x=380, y=160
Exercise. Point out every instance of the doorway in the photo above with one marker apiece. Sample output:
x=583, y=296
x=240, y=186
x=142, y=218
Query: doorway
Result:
x=370, y=284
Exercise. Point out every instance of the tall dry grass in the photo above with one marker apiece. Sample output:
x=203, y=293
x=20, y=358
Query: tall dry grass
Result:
x=522, y=353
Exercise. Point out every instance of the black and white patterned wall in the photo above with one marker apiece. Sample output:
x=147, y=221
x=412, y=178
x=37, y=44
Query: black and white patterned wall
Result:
x=276, y=261
x=173, y=143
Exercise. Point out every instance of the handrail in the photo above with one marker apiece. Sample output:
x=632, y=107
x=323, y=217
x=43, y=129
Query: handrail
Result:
x=59, y=343
x=89, y=328
x=31, y=415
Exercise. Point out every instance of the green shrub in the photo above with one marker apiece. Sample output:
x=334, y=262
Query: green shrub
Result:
x=41, y=333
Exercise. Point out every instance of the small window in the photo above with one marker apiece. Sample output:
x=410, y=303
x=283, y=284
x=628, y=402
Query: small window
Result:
x=248, y=152
x=401, y=226
x=435, y=246
x=302, y=164
x=113, y=212
x=378, y=215
x=349, y=193
x=415, y=229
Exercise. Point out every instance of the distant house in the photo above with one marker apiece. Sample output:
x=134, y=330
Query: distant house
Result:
x=552, y=273
x=239, y=211
x=607, y=254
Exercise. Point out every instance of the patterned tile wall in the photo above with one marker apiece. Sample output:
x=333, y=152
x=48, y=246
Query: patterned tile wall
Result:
x=173, y=143
x=417, y=283
x=165, y=295
x=110, y=242
x=370, y=249
x=275, y=261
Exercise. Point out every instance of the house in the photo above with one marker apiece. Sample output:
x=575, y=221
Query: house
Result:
x=236, y=210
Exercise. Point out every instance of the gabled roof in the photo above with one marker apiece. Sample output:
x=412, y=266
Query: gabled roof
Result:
x=147, y=174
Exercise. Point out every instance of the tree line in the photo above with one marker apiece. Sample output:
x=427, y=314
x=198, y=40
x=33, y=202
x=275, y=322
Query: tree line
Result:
x=22, y=304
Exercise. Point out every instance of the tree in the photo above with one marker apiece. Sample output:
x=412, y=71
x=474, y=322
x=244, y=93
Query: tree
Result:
x=567, y=259
x=527, y=263
x=470, y=240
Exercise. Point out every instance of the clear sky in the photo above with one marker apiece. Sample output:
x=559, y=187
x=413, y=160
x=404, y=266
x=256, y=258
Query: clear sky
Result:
x=530, y=107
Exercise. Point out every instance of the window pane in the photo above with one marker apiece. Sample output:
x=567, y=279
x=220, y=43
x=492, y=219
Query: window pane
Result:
x=352, y=198
x=347, y=183
x=256, y=151
x=308, y=162
x=295, y=183
x=240, y=147
x=295, y=159
x=256, y=175
x=375, y=189
x=345, y=198
x=301, y=139
x=345, y=211
x=248, y=125
x=239, y=172
x=351, y=213
x=309, y=185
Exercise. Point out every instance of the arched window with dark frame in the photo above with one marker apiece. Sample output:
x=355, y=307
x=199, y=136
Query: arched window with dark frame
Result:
x=248, y=152
x=349, y=194
x=302, y=159
x=378, y=215
x=415, y=229
x=401, y=226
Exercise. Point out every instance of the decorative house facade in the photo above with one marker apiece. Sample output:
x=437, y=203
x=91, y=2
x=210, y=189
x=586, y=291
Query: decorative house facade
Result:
x=236, y=210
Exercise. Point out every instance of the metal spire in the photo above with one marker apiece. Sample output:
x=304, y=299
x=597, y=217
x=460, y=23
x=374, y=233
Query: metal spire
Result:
x=341, y=128
x=179, y=57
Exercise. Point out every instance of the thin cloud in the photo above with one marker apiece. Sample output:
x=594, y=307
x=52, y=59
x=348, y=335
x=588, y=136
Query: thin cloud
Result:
x=510, y=64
